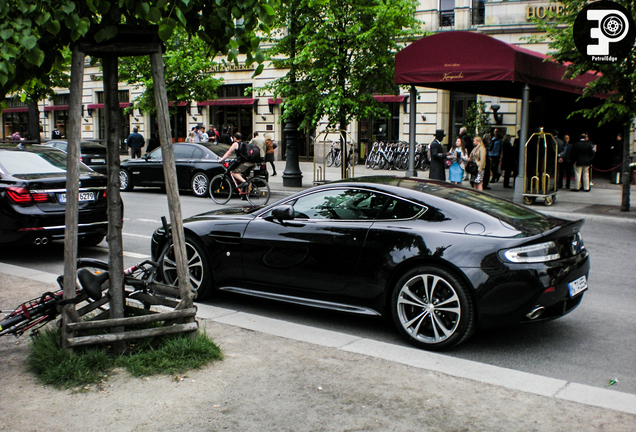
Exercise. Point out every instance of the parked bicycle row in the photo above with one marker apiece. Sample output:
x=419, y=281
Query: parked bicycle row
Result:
x=395, y=156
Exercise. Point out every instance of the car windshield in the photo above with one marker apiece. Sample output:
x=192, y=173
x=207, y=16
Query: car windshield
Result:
x=34, y=162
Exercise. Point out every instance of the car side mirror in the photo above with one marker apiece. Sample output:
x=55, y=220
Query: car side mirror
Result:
x=283, y=212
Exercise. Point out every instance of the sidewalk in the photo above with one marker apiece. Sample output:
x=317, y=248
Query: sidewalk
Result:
x=603, y=200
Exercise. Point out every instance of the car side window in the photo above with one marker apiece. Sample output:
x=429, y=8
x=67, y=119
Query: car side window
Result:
x=155, y=154
x=400, y=209
x=341, y=204
x=183, y=151
x=197, y=154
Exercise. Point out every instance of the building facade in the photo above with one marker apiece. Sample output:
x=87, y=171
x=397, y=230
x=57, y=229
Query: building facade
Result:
x=508, y=21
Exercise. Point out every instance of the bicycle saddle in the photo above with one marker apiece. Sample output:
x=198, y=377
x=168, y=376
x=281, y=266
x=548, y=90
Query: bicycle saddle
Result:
x=92, y=283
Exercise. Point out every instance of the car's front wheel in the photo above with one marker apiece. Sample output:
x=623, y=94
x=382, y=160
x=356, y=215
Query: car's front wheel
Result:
x=200, y=183
x=433, y=308
x=198, y=266
x=125, y=182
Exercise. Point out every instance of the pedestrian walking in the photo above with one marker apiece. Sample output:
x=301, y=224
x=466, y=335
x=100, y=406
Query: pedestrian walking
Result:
x=560, y=150
x=494, y=154
x=509, y=160
x=567, y=162
x=135, y=142
x=269, y=152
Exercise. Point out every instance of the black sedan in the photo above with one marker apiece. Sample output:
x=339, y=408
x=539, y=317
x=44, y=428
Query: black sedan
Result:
x=439, y=260
x=33, y=197
x=196, y=164
x=92, y=154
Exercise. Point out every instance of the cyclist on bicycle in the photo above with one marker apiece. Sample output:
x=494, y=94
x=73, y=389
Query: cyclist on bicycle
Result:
x=240, y=165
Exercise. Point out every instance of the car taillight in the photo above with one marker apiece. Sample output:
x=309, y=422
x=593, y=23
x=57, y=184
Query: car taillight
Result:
x=536, y=253
x=23, y=196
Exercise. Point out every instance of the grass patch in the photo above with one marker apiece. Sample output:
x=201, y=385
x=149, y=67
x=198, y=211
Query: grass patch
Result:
x=174, y=354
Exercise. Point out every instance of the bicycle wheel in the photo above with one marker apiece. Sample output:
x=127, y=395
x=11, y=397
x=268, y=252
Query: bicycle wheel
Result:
x=220, y=189
x=257, y=191
x=329, y=159
x=338, y=160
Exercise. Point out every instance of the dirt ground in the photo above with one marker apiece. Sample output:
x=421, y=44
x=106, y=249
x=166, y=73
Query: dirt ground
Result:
x=266, y=383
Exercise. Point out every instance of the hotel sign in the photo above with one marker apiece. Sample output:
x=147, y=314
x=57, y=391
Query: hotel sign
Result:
x=541, y=11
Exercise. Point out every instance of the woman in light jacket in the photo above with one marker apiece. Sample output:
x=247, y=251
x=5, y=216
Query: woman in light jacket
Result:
x=479, y=156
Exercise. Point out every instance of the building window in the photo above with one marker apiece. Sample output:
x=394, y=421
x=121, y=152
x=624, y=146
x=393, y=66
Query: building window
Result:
x=236, y=115
x=479, y=12
x=447, y=13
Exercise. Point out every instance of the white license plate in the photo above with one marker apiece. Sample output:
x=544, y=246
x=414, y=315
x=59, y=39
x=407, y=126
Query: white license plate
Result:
x=83, y=197
x=577, y=286
x=98, y=160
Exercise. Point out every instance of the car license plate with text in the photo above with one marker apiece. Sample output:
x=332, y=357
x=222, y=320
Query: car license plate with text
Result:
x=98, y=160
x=83, y=197
x=577, y=286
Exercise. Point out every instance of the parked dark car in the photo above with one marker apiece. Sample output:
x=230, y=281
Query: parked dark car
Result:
x=92, y=154
x=437, y=259
x=33, y=197
x=196, y=164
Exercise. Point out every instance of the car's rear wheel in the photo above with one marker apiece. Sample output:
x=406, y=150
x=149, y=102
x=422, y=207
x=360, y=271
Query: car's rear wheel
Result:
x=125, y=182
x=91, y=240
x=198, y=266
x=433, y=308
x=200, y=183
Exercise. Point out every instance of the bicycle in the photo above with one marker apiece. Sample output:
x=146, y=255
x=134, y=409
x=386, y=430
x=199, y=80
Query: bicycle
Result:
x=256, y=190
x=91, y=276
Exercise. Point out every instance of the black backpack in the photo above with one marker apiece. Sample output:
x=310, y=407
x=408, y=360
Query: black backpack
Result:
x=249, y=152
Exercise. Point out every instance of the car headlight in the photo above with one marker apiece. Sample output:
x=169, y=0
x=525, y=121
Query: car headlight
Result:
x=541, y=252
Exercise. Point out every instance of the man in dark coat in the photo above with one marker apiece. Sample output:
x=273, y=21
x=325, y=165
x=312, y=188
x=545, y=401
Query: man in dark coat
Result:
x=582, y=154
x=438, y=157
x=135, y=143
x=617, y=159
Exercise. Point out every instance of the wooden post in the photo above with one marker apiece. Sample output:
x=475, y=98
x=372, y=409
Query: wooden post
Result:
x=170, y=170
x=72, y=187
x=112, y=119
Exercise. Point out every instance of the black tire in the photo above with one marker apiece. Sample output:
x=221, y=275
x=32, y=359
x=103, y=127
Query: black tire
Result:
x=220, y=189
x=198, y=266
x=199, y=184
x=125, y=181
x=258, y=191
x=91, y=240
x=432, y=308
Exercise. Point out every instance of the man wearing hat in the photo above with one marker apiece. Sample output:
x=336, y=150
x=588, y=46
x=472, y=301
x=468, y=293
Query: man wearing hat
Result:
x=438, y=157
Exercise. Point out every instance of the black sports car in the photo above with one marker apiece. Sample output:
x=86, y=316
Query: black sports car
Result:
x=439, y=260
x=33, y=197
x=92, y=154
x=196, y=164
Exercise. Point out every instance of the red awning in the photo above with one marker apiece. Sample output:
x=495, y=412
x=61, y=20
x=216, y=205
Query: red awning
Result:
x=56, y=108
x=276, y=101
x=242, y=101
x=101, y=105
x=389, y=98
x=16, y=109
x=476, y=63
x=179, y=104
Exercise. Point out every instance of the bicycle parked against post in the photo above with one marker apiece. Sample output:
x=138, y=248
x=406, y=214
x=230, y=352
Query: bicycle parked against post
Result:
x=256, y=191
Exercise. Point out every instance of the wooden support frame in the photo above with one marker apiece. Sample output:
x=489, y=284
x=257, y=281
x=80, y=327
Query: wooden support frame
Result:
x=129, y=41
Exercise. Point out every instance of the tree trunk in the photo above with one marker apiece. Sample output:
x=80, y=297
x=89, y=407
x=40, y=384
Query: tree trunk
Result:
x=112, y=119
x=72, y=187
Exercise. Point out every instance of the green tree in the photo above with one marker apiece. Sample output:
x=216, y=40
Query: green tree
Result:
x=34, y=33
x=615, y=80
x=338, y=54
x=188, y=70
x=477, y=119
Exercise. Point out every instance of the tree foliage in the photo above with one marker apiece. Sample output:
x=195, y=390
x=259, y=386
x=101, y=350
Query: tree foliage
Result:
x=338, y=54
x=616, y=80
x=477, y=119
x=188, y=66
x=34, y=33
